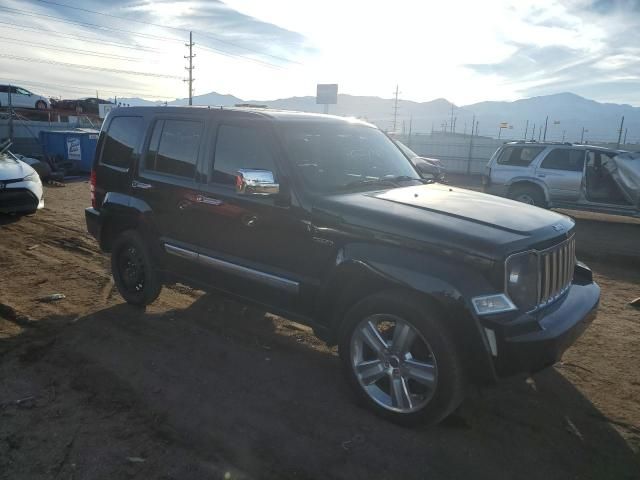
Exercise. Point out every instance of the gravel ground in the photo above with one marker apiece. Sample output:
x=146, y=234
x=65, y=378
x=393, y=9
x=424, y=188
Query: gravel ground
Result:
x=199, y=387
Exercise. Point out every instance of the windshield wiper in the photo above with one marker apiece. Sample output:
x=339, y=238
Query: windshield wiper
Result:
x=389, y=182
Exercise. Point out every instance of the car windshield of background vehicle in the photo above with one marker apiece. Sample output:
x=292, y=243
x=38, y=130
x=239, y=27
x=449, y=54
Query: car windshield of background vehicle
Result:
x=519, y=156
x=333, y=158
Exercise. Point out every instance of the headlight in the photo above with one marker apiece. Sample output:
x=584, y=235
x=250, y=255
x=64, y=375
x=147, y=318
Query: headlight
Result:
x=32, y=177
x=522, y=272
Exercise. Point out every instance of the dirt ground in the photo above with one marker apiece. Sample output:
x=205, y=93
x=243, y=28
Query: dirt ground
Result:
x=199, y=387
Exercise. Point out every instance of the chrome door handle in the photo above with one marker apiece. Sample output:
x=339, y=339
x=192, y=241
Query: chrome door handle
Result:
x=141, y=185
x=208, y=200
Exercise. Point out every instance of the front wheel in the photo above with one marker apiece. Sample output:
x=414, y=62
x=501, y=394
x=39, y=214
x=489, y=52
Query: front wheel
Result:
x=133, y=270
x=40, y=105
x=529, y=195
x=400, y=359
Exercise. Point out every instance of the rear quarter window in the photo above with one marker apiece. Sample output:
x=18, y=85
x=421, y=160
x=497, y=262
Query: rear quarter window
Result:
x=520, y=156
x=122, y=142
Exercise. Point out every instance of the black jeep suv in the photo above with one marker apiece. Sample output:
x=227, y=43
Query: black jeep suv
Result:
x=424, y=287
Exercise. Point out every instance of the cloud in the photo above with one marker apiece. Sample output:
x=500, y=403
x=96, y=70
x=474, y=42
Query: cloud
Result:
x=605, y=65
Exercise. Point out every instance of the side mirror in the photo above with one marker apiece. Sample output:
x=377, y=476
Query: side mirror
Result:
x=256, y=182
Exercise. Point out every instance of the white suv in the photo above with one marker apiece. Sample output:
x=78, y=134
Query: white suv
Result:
x=22, y=98
x=565, y=175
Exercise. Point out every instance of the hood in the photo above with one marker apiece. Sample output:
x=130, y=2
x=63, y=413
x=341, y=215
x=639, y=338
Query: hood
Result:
x=446, y=217
x=11, y=169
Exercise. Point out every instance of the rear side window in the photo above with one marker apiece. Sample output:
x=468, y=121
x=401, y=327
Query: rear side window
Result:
x=564, y=159
x=239, y=147
x=519, y=156
x=122, y=142
x=174, y=147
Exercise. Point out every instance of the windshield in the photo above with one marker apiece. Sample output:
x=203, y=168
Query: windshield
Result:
x=331, y=158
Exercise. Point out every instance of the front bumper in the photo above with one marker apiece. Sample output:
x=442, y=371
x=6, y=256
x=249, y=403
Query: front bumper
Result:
x=21, y=197
x=531, y=342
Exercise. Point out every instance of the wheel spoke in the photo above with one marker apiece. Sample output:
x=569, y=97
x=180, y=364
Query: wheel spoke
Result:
x=370, y=371
x=421, y=372
x=400, y=397
x=372, y=338
x=403, y=336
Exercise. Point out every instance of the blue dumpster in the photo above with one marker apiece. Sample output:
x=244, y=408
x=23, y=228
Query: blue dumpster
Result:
x=75, y=148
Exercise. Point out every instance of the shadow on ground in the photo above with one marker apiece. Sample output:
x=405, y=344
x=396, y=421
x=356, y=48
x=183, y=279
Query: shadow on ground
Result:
x=221, y=387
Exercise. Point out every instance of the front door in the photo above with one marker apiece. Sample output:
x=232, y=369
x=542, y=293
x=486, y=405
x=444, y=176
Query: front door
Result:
x=21, y=98
x=256, y=246
x=562, y=171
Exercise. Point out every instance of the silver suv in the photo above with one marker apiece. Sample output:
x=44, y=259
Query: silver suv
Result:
x=564, y=175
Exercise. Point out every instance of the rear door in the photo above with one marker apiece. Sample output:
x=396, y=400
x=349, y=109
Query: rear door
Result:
x=167, y=181
x=562, y=170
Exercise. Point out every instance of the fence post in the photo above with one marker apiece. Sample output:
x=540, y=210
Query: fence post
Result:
x=473, y=123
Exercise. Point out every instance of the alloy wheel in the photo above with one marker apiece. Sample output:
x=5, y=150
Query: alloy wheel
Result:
x=393, y=363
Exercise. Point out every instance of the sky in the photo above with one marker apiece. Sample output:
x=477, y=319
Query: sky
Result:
x=464, y=51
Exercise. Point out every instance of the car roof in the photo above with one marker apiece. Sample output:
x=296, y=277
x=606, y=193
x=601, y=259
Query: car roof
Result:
x=281, y=116
x=561, y=144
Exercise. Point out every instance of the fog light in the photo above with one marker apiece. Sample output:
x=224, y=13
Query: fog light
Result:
x=492, y=304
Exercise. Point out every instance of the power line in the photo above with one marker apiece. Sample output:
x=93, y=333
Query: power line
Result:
x=80, y=37
x=239, y=57
x=89, y=67
x=86, y=24
x=217, y=39
x=79, y=89
x=72, y=50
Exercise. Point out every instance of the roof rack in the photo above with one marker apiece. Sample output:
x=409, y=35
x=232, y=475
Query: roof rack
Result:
x=535, y=142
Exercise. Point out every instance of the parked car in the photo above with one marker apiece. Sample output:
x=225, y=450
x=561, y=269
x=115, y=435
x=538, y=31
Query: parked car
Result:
x=22, y=98
x=425, y=288
x=20, y=186
x=428, y=167
x=565, y=175
x=81, y=105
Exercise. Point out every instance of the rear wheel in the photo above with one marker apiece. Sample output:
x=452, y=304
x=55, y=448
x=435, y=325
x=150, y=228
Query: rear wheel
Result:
x=528, y=194
x=133, y=270
x=400, y=359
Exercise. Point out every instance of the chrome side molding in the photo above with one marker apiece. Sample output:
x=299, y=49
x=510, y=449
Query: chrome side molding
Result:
x=290, y=286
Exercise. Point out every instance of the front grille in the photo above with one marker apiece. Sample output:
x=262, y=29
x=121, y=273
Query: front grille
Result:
x=17, y=198
x=556, y=271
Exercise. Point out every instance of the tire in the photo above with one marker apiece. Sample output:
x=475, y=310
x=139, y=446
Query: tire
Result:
x=427, y=372
x=528, y=194
x=40, y=105
x=133, y=269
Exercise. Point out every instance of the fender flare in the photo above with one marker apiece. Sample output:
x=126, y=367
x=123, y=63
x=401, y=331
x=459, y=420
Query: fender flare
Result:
x=446, y=284
x=538, y=183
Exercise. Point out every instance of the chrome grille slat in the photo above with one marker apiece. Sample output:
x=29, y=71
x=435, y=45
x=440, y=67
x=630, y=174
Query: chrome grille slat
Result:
x=557, y=265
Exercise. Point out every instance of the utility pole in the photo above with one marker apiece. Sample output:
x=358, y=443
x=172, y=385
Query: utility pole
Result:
x=410, y=130
x=546, y=121
x=624, y=142
x=477, y=127
x=190, y=67
x=455, y=120
x=533, y=133
x=564, y=132
x=582, y=136
x=10, y=116
x=451, y=124
x=540, y=133
x=620, y=131
x=471, y=146
x=526, y=129
x=395, y=110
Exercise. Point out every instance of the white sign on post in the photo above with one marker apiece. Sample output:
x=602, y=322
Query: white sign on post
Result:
x=104, y=108
x=327, y=94
x=74, y=150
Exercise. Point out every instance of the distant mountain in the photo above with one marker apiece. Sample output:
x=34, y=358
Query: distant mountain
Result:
x=568, y=114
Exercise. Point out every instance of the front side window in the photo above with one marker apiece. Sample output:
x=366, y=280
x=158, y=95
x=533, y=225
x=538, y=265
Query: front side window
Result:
x=564, y=159
x=331, y=158
x=22, y=91
x=122, y=142
x=240, y=147
x=174, y=147
x=519, y=156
